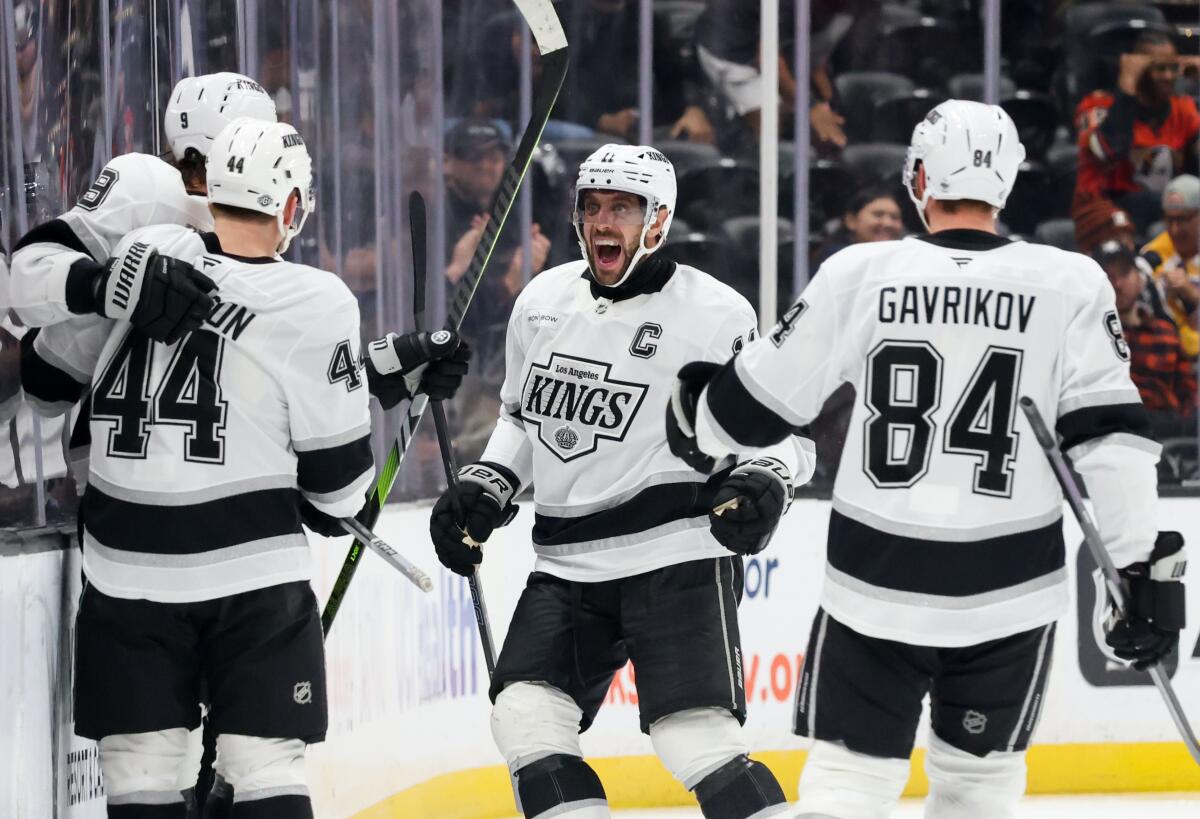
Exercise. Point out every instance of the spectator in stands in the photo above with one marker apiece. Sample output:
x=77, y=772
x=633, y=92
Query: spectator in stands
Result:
x=1099, y=220
x=601, y=88
x=474, y=162
x=1178, y=275
x=1133, y=142
x=727, y=43
x=1165, y=376
x=873, y=215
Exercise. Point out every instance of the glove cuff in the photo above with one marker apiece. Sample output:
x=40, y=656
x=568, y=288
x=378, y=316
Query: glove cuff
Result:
x=80, y=291
x=495, y=479
x=122, y=286
x=767, y=465
x=380, y=355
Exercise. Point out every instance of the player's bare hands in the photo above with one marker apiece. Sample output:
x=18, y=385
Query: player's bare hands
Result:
x=695, y=125
x=464, y=249
x=620, y=123
x=827, y=124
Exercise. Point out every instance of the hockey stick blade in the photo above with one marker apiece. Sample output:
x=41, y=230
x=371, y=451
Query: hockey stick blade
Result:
x=1091, y=536
x=552, y=43
x=396, y=560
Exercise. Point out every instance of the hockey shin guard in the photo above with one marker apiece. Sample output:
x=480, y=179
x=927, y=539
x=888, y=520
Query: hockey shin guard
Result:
x=564, y=784
x=740, y=789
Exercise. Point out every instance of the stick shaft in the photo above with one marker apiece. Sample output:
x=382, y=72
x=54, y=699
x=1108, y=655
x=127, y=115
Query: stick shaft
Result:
x=1091, y=537
x=396, y=560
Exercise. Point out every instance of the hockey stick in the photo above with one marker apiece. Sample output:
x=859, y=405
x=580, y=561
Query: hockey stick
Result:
x=539, y=15
x=416, y=223
x=380, y=547
x=1091, y=536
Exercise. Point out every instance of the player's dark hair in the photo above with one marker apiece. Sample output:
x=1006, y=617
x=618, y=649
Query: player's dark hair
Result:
x=191, y=168
x=243, y=214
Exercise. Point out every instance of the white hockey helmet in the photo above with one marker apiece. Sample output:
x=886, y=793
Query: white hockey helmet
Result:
x=201, y=107
x=256, y=165
x=969, y=151
x=637, y=169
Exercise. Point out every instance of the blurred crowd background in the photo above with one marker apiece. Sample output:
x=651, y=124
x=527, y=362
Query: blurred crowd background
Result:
x=397, y=95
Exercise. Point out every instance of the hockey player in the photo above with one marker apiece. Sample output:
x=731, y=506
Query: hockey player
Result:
x=58, y=267
x=945, y=570
x=208, y=453
x=631, y=562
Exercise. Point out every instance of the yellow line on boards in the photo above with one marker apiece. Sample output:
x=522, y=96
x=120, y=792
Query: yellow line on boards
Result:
x=642, y=782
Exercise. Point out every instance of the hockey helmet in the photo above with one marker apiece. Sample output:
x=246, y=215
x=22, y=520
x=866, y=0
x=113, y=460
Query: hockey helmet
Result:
x=201, y=107
x=256, y=165
x=638, y=169
x=969, y=151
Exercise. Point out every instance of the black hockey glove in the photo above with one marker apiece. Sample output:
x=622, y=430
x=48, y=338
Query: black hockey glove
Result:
x=322, y=523
x=1154, y=598
x=400, y=366
x=485, y=492
x=165, y=298
x=681, y=414
x=749, y=504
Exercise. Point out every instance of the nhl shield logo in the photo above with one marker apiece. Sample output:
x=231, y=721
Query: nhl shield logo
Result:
x=302, y=692
x=575, y=403
x=974, y=722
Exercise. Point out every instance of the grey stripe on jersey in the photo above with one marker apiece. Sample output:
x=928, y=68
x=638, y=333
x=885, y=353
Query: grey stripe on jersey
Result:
x=816, y=675
x=270, y=793
x=1098, y=399
x=208, y=493
x=580, y=510
x=339, y=495
x=196, y=559
x=764, y=397
x=634, y=539
x=95, y=246
x=941, y=601
x=179, y=579
x=969, y=535
x=330, y=441
x=1116, y=439
x=725, y=631
x=147, y=798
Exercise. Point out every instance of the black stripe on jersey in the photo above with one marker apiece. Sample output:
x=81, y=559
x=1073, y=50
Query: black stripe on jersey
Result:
x=942, y=567
x=741, y=415
x=324, y=471
x=56, y=231
x=192, y=528
x=653, y=506
x=42, y=380
x=1087, y=424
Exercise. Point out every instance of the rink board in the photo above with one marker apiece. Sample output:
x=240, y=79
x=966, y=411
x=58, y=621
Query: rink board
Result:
x=427, y=742
x=409, y=734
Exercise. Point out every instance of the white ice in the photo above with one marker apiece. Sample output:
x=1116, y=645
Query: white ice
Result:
x=1141, y=806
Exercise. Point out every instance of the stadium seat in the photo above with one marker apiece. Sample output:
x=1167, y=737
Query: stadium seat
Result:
x=1036, y=117
x=1057, y=232
x=743, y=233
x=685, y=155
x=710, y=252
x=925, y=51
x=873, y=163
x=1062, y=161
x=895, y=117
x=711, y=194
x=1031, y=201
x=830, y=185
x=970, y=87
x=859, y=91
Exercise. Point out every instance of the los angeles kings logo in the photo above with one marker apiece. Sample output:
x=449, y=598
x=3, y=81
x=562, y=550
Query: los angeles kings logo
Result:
x=575, y=403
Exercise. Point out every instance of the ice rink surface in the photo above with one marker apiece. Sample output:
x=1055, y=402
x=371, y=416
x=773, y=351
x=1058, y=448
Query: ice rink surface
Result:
x=1142, y=806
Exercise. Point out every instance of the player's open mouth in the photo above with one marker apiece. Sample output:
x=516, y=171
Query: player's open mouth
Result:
x=607, y=252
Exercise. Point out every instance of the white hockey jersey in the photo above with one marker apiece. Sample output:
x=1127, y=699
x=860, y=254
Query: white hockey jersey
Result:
x=202, y=449
x=584, y=400
x=946, y=522
x=132, y=191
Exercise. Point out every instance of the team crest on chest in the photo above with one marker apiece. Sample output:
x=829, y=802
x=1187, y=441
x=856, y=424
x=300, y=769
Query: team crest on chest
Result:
x=575, y=404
